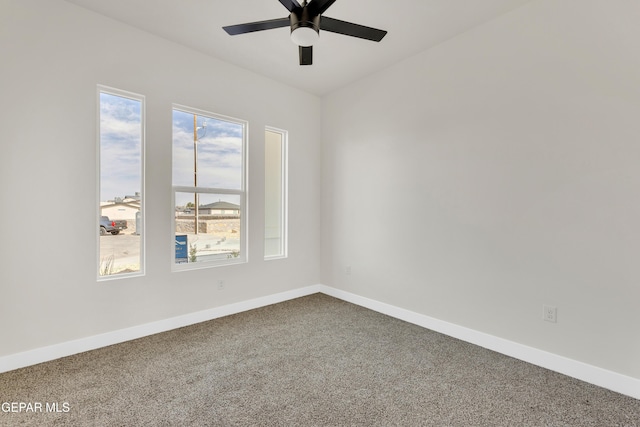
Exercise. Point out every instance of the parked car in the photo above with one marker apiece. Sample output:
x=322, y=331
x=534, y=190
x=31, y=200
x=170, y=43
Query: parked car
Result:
x=114, y=226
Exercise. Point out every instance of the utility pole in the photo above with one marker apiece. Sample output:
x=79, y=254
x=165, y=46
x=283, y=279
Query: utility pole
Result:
x=195, y=173
x=195, y=168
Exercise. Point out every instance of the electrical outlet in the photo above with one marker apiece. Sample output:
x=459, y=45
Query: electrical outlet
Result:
x=549, y=313
x=347, y=270
x=220, y=285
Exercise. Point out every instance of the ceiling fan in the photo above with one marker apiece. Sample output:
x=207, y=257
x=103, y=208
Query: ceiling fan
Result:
x=306, y=21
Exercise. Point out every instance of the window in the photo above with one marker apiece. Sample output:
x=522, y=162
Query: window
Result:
x=275, y=194
x=209, y=196
x=121, y=183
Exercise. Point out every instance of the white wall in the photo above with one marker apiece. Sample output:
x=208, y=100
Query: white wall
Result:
x=53, y=54
x=514, y=153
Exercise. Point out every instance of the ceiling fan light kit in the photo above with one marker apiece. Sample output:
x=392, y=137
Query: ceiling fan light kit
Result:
x=306, y=21
x=305, y=30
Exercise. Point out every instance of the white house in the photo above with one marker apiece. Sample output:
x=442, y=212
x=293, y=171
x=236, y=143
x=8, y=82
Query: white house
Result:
x=120, y=210
x=219, y=208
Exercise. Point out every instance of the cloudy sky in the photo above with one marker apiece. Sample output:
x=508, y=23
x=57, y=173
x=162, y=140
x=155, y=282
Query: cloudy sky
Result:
x=120, y=146
x=219, y=151
x=219, y=148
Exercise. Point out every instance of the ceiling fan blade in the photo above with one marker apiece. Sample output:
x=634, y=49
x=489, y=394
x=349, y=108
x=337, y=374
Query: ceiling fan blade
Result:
x=351, y=29
x=318, y=7
x=306, y=55
x=256, y=26
x=291, y=5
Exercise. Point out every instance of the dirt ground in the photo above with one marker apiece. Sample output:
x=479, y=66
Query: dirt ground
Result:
x=121, y=253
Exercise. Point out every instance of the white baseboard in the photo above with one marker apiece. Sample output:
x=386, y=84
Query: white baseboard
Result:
x=592, y=374
x=56, y=351
x=619, y=383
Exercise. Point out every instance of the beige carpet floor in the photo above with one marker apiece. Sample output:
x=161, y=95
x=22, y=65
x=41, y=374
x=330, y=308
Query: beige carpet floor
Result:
x=313, y=361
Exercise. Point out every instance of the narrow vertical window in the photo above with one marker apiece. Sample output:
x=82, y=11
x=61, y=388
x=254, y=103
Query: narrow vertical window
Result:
x=275, y=194
x=121, y=183
x=209, y=218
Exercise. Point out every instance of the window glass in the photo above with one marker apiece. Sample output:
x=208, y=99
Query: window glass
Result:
x=120, y=217
x=208, y=183
x=275, y=194
x=219, y=232
x=213, y=153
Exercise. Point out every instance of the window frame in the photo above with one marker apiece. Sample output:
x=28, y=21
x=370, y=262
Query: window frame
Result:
x=284, y=191
x=100, y=89
x=242, y=193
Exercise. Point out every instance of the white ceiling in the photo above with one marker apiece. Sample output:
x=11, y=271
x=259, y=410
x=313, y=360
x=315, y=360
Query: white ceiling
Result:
x=412, y=25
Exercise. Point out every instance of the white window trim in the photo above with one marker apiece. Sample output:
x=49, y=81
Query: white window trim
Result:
x=284, y=222
x=243, y=193
x=143, y=121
